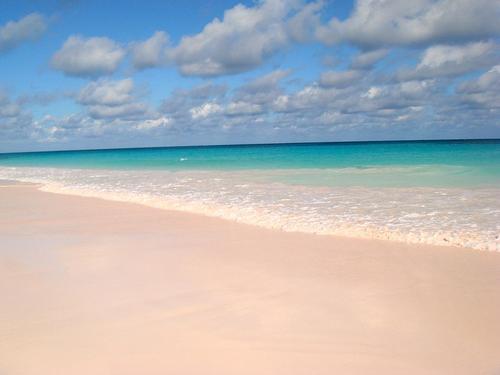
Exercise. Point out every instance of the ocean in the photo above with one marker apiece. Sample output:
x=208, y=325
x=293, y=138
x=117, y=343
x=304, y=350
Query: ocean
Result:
x=432, y=192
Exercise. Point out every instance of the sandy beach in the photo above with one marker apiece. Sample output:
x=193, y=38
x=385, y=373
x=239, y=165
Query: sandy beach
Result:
x=89, y=286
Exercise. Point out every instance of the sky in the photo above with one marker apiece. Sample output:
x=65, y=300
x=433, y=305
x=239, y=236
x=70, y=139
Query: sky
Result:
x=105, y=74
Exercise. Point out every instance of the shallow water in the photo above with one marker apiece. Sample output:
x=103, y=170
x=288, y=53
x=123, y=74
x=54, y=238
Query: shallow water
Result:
x=444, y=193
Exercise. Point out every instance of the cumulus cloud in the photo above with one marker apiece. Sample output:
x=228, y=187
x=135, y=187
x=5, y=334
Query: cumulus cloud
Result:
x=263, y=89
x=181, y=102
x=204, y=110
x=127, y=110
x=79, y=130
x=88, y=57
x=483, y=91
x=379, y=23
x=366, y=108
x=267, y=81
x=446, y=60
x=241, y=41
x=352, y=100
x=339, y=78
x=16, y=122
x=154, y=123
x=243, y=108
x=364, y=97
x=366, y=60
x=204, y=91
x=111, y=99
x=42, y=98
x=27, y=28
x=302, y=25
x=107, y=92
x=8, y=108
x=151, y=52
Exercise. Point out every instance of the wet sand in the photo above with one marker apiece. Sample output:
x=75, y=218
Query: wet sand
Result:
x=89, y=286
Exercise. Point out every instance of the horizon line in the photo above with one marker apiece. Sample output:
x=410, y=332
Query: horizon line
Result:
x=258, y=144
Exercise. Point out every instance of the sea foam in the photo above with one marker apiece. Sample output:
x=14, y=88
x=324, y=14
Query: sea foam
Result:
x=466, y=217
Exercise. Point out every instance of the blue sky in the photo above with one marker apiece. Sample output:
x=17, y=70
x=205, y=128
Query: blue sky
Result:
x=98, y=74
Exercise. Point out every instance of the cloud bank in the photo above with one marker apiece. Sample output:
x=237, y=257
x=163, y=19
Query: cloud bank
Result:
x=424, y=69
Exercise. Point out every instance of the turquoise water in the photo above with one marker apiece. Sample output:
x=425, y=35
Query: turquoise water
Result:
x=421, y=163
x=435, y=192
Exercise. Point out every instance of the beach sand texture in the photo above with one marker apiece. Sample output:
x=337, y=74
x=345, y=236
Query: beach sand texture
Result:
x=89, y=286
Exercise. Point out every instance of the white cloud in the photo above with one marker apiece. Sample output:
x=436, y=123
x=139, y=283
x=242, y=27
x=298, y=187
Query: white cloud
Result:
x=15, y=121
x=205, y=90
x=487, y=81
x=372, y=103
x=366, y=60
x=446, y=60
x=29, y=27
x=239, y=42
x=439, y=56
x=262, y=90
x=111, y=99
x=9, y=110
x=155, y=123
x=366, y=97
x=267, y=81
x=107, y=92
x=339, y=78
x=243, y=108
x=376, y=23
x=483, y=91
x=151, y=52
x=372, y=92
x=303, y=24
x=182, y=104
x=414, y=89
x=281, y=103
x=123, y=111
x=204, y=110
x=7, y=107
x=88, y=57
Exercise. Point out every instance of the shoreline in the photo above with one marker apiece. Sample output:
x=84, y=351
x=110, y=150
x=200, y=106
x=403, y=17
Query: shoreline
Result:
x=283, y=221
x=92, y=286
